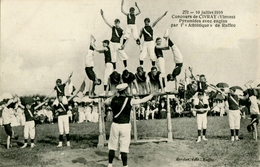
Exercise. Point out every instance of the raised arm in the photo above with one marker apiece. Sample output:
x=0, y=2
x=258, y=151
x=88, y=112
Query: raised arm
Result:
x=139, y=11
x=159, y=19
x=69, y=78
x=105, y=20
x=122, y=7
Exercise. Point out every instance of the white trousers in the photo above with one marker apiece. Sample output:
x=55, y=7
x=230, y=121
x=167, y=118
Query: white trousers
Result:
x=131, y=28
x=177, y=56
x=64, y=101
x=120, y=133
x=114, y=47
x=148, y=48
x=63, y=124
x=108, y=72
x=161, y=65
x=29, y=129
x=234, y=119
x=202, y=121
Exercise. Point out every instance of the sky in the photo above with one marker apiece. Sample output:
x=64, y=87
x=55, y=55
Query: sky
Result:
x=45, y=40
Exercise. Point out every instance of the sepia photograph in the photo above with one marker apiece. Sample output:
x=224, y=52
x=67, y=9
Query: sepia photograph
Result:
x=142, y=83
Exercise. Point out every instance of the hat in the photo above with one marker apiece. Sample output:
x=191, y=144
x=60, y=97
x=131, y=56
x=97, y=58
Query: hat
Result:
x=121, y=87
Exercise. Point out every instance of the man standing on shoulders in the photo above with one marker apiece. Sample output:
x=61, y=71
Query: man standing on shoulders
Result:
x=115, y=45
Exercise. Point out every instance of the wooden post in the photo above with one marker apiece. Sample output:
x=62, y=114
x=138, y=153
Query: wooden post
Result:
x=100, y=122
x=103, y=121
x=135, y=127
x=169, y=123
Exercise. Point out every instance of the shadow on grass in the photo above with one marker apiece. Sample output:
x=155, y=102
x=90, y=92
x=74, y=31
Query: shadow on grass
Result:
x=84, y=141
x=222, y=137
x=83, y=161
x=79, y=141
x=52, y=140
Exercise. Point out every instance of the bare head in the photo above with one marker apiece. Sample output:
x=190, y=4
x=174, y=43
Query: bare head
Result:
x=158, y=41
x=117, y=23
x=140, y=70
x=202, y=78
x=154, y=71
x=58, y=82
x=146, y=21
x=105, y=43
x=132, y=10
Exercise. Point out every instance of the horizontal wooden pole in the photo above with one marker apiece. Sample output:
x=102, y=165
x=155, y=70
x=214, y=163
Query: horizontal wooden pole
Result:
x=139, y=95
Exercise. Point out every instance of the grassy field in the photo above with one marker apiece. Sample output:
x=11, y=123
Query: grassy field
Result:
x=183, y=151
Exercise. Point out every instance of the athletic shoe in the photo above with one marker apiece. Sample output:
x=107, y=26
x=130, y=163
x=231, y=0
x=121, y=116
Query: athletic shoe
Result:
x=232, y=138
x=32, y=145
x=166, y=33
x=25, y=145
x=68, y=143
x=204, y=138
x=60, y=144
x=237, y=139
x=199, y=139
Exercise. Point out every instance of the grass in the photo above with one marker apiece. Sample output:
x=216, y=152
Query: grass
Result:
x=218, y=151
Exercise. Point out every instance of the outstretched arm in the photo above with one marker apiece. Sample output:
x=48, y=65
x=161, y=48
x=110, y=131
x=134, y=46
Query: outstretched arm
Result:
x=159, y=19
x=100, y=50
x=122, y=8
x=163, y=47
x=105, y=20
x=139, y=11
x=143, y=100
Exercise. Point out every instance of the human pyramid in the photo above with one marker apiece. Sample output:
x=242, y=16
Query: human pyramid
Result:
x=141, y=82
